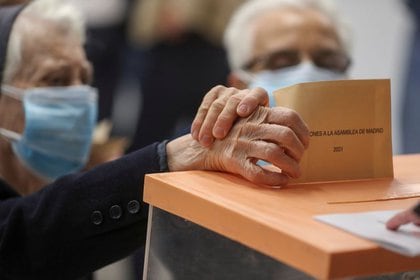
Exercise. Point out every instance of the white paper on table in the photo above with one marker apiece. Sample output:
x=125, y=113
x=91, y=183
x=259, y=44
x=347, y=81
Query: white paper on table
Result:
x=371, y=225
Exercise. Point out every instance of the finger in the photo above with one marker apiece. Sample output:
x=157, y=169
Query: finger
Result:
x=241, y=104
x=202, y=112
x=227, y=116
x=274, y=154
x=290, y=118
x=261, y=176
x=399, y=219
x=205, y=135
x=254, y=98
x=283, y=136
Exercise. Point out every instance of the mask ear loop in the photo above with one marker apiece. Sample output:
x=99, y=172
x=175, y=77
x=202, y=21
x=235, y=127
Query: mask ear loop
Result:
x=17, y=94
x=244, y=75
x=10, y=135
x=12, y=92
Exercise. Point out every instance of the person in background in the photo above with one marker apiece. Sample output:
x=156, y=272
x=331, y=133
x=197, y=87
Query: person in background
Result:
x=182, y=57
x=58, y=223
x=410, y=113
x=105, y=43
x=277, y=43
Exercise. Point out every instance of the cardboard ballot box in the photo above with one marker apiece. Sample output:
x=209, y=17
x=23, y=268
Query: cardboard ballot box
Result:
x=222, y=223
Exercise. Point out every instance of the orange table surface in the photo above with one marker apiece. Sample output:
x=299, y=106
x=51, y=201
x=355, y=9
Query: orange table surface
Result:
x=279, y=222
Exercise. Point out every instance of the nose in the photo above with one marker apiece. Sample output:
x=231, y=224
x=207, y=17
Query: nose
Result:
x=76, y=81
x=305, y=57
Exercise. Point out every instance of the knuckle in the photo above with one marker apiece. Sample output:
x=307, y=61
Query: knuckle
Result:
x=202, y=111
x=218, y=105
x=270, y=149
x=218, y=88
x=223, y=92
x=291, y=114
x=287, y=136
x=205, y=105
x=236, y=98
x=223, y=119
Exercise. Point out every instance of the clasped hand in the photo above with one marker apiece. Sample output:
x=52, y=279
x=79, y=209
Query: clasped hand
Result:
x=276, y=135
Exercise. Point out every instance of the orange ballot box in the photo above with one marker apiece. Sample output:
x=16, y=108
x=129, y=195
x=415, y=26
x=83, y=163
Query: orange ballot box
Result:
x=216, y=220
x=208, y=225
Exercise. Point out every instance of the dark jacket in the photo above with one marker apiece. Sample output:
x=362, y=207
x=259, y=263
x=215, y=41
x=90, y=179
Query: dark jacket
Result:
x=78, y=223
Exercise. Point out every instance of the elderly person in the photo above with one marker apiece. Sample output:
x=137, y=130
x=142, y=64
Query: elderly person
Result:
x=64, y=227
x=276, y=43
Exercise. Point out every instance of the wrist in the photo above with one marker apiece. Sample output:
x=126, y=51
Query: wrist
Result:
x=184, y=153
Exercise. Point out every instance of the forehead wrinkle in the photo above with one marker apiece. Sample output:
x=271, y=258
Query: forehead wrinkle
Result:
x=293, y=28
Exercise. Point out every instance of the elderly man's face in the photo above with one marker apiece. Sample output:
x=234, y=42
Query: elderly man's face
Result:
x=51, y=58
x=286, y=37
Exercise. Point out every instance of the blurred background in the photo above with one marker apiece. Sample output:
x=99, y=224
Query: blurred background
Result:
x=382, y=34
x=382, y=31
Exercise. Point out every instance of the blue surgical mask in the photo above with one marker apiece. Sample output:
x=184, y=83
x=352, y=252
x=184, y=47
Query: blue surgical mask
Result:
x=303, y=72
x=59, y=124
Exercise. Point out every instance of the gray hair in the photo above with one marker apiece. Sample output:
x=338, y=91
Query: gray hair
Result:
x=238, y=36
x=65, y=16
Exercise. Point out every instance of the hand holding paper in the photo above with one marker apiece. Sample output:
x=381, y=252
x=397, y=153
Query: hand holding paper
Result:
x=411, y=215
x=371, y=225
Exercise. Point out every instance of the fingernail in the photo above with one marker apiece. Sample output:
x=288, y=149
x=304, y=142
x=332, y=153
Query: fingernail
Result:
x=243, y=109
x=206, y=140
x=219, y=132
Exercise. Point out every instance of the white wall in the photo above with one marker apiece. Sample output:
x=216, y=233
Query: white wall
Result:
x=381, y=31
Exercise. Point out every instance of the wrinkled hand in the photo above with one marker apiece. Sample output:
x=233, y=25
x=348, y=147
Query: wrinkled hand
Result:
x=276, y=135
x=219, y=109
x=411, y=215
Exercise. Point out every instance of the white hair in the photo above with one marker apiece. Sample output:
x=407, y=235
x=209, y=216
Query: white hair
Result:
x=238, y=36
x=65, y=16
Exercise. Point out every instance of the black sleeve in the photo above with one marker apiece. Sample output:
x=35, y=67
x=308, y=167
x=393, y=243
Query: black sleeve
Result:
x=79, y=223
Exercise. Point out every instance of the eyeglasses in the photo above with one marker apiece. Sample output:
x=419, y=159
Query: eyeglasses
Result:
x=328, y=59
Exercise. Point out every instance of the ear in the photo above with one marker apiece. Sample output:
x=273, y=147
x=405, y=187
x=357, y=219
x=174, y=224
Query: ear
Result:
x=236, y=82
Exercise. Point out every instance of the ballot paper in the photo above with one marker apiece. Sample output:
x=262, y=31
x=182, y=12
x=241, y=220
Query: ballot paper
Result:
x=350, y=128
x=371, y=225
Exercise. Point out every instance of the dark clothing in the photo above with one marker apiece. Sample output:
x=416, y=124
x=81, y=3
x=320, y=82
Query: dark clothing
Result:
x=8, y=16
x=77, y=224
x=175, y=77
x=411, y=102
x=104, y=50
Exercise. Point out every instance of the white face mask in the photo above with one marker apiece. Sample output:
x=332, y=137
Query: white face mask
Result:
x=303, y=72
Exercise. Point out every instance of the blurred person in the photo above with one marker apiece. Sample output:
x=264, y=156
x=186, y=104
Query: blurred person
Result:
x=411, y=131
x=64, y=227
x=277, y=43
x=106, y=40
x=182, y=57
x=411, y=100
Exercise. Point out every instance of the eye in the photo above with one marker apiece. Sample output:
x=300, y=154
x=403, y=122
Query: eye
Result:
x=58, y=82
x=332, y=60
x=275, y=60
x=55, y=80
x=282, y=59
x=86, y=77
